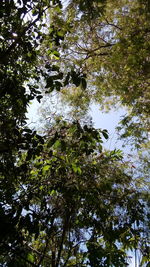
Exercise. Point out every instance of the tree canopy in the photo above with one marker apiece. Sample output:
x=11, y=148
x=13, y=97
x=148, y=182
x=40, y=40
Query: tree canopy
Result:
x=108, y=41
x=64, y=200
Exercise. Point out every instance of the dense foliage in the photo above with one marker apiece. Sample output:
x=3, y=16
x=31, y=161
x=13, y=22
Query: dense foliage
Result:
x=63, y=200
x=108, y=41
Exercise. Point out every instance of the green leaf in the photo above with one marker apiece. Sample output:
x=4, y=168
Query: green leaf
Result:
x=66, y=82
x=83, y=83
x=76, y=168
x=39, y=97
x=30, y=258
x=46, y=168
x=55, y=68
x=58, y=86
x=56, y=54
x=49, y=82
x=105, y=134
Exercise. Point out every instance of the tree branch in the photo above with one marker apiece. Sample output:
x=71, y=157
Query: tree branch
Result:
x=113, y=25
x=65, y=227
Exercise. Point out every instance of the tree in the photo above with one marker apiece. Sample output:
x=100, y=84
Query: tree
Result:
x=75, y=194
x=20, y=39
x=110, y=45
x=57, y=186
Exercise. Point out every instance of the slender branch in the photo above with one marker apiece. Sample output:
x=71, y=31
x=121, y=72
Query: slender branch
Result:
x=53, y=258
x=113, y=25
x=38, y=252
x=69, y=252
x=65, y=227
x=98, y=48
x=61, y=245
x=44, y=252
x=95, y=55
